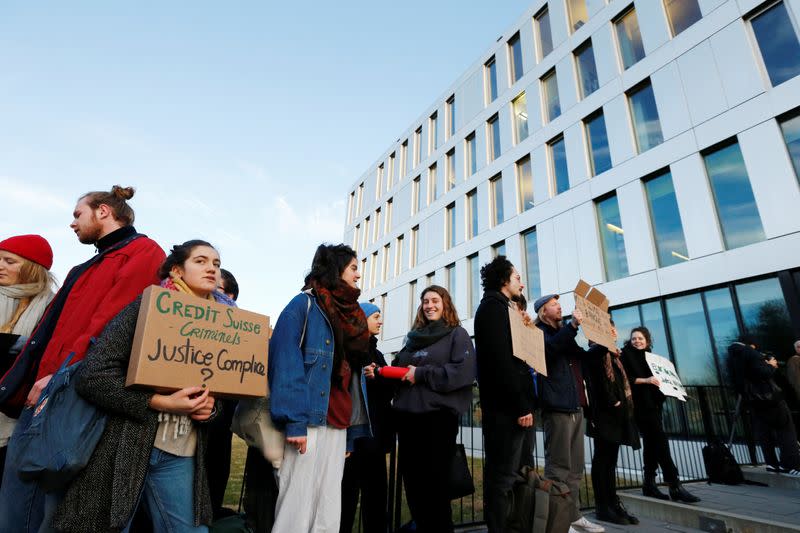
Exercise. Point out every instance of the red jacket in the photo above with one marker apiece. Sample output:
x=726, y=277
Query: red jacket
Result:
x=97, y=296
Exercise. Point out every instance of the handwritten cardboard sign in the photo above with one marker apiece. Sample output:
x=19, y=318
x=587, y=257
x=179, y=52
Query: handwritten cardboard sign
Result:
x=596, y=321
x=663, y=369
x=527, y=342
x=183, y=341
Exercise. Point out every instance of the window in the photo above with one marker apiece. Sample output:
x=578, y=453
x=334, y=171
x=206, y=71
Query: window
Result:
x=490, y=80
x=644, y=113
x=417, y=146
x=451, y=278
x=432, y=191
x=532, y=277
x=516, y=69
x=363, y=281
x=791, y=134
x=366, y=235
x=474, y=273
x=597, y=141
x=450, y=169
x=545, y=36
x=648, y=315
x=413, y=250
x=577, y=13
x=383, y=310
x=733, y=196
x=403, y=157
x=355, y=237
x=388, y=224
x=450, y=225
x=666, y=220
x=416, y=195
x=450, y=116
x=350, y=203
x=611, y=238
x=552, y=105
x=412, y=303
x=682, y=14
x=558, y=165
x=471, y=154
x=525, y=183
x=430, y=278
x=472, y=213
x=387, y=249
x=377, y=225
x=777, y=41
x=379, y=181
x=587, y=70
x=493, y=137
x=360, y=197
x=691, y=340
x=390, y=174
x=629, y=38
x=433, y=133
x=496, y=190
x=520, y=110
x=764, y=314
x=499, y=248
x=398, y=255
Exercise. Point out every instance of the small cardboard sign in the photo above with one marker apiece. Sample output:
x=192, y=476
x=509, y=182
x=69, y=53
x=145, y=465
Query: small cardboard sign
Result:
x=183, y=341
x=527, y=342
x=596, y=321
x=663, y=369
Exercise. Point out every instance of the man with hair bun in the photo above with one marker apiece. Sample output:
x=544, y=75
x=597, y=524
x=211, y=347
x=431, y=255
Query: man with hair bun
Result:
x=126, y=263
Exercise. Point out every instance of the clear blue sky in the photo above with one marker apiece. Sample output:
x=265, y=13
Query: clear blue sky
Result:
x=243, y=123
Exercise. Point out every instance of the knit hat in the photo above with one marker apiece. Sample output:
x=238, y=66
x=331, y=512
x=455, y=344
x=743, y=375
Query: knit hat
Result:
x=370, y=309
x=32, y=247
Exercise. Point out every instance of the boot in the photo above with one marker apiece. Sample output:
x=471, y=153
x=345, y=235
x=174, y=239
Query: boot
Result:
x=650, y=489
x=679, y=494
x=623, y=512
x=607, y=513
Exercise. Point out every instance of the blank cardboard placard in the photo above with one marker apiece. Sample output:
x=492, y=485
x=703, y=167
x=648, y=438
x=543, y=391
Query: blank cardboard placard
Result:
x=527, y=342
x=663, y=369
x=596, y=321
x=183, y=341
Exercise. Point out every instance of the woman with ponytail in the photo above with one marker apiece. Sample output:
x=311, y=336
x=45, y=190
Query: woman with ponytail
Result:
x=26, y=287
x=151, y=451
x=316, y=354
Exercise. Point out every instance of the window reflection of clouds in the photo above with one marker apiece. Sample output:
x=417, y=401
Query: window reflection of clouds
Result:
x=690, y=339
x=666, y=221
x=778, y=43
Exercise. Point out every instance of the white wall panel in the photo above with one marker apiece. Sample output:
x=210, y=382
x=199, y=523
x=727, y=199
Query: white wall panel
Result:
x=702, y=87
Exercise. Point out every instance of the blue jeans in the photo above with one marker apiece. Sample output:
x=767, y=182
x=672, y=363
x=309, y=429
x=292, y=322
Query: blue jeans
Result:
x=22, y=503
x=168, y=494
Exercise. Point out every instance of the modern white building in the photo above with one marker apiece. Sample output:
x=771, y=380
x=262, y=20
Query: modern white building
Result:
x=649, y=147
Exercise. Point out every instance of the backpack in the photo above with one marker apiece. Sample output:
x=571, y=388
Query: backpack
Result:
x=539, y=505
x=721, y=466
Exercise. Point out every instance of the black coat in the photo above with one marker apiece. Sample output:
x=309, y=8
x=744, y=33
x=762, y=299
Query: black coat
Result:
x=604, y=420
x=505, y=383
x=379, y=401
x=646, y=397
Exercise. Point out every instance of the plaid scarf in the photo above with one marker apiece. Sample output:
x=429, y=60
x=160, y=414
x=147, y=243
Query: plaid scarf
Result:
x=350, y=332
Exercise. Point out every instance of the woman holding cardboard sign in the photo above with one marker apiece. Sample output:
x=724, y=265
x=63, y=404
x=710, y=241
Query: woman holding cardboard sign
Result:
x=148, y=452
x=318, y=347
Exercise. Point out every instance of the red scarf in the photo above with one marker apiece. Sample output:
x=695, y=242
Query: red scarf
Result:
x=350, y=331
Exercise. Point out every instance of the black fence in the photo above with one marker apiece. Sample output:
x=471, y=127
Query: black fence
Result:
x=709, y=412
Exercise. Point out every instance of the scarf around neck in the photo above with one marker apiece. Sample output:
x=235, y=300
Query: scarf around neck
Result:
x=350, y=331
x=12, y=296
x=419, y=338
x=613, y=359
x=176, y=283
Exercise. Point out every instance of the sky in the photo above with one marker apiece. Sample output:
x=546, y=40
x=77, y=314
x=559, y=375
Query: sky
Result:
x=243, y=123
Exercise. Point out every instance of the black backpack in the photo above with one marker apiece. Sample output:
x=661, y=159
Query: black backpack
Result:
x=721, y=465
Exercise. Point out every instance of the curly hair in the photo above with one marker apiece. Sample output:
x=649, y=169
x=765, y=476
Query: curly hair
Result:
x=496, y=273
x=449, y=313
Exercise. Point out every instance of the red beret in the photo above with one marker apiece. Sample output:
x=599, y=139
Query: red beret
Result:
x=32, y=247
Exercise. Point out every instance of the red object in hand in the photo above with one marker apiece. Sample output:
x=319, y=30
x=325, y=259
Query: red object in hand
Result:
x=393, y=372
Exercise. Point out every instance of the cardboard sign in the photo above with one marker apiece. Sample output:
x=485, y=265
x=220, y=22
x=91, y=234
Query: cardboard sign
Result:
x=596, y=321
x=663, y=369
x=527, y=342
x=183, y=341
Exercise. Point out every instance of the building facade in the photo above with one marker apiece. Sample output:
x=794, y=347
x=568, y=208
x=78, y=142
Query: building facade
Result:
x=649, y=147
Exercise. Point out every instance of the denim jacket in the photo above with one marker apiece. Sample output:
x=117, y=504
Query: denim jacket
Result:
x=299, y=373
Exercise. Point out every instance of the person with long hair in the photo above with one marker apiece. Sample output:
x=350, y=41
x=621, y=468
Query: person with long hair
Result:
x=317, y=395
x=435, y=391
x=151, y=451
x=648, y=402
x=26, y=287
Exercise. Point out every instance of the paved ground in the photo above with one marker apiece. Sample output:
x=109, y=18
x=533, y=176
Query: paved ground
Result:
x=646, y=526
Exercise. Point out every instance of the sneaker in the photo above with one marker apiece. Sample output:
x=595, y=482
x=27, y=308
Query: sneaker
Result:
x=585, y=525
x=791, y=473
x=573, y=530
x=776, y=469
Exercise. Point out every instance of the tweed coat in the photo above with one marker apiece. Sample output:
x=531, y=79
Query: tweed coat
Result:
x=103, y=497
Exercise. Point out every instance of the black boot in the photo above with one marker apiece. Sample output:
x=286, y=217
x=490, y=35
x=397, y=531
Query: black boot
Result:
x=620, y=510
x=607, y=513
x=679, y=494
x=650, y=489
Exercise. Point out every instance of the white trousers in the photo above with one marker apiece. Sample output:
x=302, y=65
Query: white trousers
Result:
x=310, y=485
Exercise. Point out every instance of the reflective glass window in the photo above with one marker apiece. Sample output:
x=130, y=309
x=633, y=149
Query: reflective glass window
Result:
x=451, y=279
x=724, y=328
x=694, y=356
x=612, y=238
x=532, y=277
x=558, y=160
x=525, y=183
x=472, y=154
x=433, y=191
x=493, y=131
x=544, y=33
x=577, y=13
x=499, y=248
x=490, y=80
x=765, y=315
x=451, y=225
x=451, y=116
x=682, y=14
x=520, y=107
x=474, y=269
x=496, y=187
x=629, y=38
x=777, y=41
x=587, y=70
x=666, y=221
x=653, y=319
x=645, y=117
x=472, y=207
x=515, y=56
x=552, y=104
x=597, y=141
x=450, y=167
x=791, y=134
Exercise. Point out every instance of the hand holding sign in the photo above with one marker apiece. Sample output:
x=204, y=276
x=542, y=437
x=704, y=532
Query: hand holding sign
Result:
x=591, y=313
x=665, y=377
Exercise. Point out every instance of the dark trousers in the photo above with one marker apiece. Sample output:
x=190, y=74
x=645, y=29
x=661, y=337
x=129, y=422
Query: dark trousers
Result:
x=2, y=462
x=503, y=443
x=427, y=443
x=260, y=492
x=773, y=427
x=218, y=455
x=604, y=472
x=365, y=472
x=655, y=445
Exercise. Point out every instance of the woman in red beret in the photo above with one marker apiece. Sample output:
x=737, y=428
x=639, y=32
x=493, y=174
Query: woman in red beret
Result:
x=26, y=287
